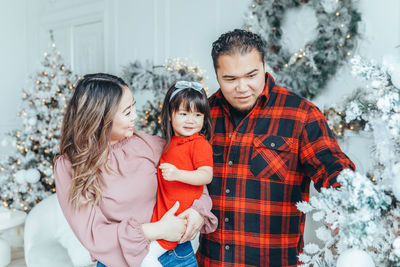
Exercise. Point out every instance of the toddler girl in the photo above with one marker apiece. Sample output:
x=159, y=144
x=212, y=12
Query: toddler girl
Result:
x=185, y=165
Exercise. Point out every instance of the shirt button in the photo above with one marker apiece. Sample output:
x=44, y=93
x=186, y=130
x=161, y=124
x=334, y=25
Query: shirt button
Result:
x=226, y=247
x=226, y=219
x=227, y=191
x=230, y=136
x=272, y=144
x=230, y=163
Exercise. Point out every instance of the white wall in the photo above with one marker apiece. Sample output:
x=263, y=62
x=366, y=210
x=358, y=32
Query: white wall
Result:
x=162, y=29
x=13, y=63
x=104, y=35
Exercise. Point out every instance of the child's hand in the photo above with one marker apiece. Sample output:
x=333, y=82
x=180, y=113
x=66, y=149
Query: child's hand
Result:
x=169, y=172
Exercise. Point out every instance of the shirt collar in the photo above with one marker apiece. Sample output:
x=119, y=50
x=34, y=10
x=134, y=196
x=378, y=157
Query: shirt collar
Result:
x=184, y=139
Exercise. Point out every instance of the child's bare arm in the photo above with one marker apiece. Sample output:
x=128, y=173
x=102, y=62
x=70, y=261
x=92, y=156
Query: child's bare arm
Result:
x=203, y=175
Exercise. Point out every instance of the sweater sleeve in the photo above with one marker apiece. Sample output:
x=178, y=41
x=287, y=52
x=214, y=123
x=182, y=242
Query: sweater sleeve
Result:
x=203, y=206
x=113, y=243
x=320, y=154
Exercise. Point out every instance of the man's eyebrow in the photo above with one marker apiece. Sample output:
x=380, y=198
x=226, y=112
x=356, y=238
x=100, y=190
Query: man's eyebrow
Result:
x=250, y=72
x=232, y=76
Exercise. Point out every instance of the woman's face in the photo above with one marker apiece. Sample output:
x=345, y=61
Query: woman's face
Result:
x=124, y=120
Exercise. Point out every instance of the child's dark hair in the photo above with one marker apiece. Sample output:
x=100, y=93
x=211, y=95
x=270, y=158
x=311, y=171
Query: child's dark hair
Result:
x=237, y=42
x=187, y=96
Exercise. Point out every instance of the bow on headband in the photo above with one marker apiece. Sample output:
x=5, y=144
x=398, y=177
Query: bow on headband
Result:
x=182, y=85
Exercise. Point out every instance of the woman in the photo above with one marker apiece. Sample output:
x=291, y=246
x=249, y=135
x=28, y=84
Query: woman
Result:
x=106, y=177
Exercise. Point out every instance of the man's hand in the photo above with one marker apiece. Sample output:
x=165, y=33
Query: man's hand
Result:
x=169, y=172
x=194, y=223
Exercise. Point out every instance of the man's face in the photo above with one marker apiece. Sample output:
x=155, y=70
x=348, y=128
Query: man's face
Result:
x=241, y=78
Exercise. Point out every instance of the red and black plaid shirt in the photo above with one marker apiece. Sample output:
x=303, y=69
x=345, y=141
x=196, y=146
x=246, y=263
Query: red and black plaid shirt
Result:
x=262, y=168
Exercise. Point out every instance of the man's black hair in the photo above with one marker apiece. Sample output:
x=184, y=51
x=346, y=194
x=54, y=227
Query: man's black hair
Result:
x=237, y=42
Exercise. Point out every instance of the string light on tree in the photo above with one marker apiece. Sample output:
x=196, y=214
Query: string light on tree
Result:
x=338, y=124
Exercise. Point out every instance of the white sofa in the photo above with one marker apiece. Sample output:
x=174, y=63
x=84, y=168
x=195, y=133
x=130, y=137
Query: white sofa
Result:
x=48, y=239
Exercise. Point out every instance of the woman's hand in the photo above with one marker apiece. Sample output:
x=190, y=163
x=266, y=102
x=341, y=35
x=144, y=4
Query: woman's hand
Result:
x=194, y=223
x=169, y=227
x=173, y=226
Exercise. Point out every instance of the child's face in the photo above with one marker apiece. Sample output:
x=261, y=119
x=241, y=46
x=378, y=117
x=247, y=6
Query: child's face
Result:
x=186, y=123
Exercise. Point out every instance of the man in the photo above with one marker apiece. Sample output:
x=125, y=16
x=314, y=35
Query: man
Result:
x=268, y=145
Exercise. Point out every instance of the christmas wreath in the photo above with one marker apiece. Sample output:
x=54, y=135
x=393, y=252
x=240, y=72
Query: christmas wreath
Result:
x=308, y=70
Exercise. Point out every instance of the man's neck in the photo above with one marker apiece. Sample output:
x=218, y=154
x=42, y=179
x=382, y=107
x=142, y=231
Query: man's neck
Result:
x=236, y=115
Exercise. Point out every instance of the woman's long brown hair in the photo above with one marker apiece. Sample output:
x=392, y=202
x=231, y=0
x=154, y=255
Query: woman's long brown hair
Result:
x=86, y=132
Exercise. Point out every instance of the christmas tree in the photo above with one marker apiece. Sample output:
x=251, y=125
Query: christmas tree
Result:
x=362, y=217
x=157, y=79
x=26, y=174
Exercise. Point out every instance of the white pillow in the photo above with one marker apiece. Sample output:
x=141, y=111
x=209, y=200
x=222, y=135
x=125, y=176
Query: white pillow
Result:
x=79, y=255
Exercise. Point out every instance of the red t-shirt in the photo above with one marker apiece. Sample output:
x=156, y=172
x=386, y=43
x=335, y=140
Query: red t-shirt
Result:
x=185, y=153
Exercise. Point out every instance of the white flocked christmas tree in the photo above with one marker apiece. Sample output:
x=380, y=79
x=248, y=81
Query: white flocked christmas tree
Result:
x=362, y=218
x=26, y=174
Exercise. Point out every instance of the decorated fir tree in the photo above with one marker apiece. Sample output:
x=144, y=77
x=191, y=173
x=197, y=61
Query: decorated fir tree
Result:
x=26, y=174
x=157, y=79
x=362, y=218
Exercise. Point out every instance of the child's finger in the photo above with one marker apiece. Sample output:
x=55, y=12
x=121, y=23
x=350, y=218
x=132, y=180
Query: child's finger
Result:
x=164, y=169
x=165, y=164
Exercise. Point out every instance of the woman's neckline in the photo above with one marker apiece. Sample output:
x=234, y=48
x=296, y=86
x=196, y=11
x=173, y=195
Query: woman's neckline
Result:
x=122, y=142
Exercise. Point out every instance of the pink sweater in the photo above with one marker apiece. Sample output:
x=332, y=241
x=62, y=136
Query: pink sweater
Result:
x=111, y=231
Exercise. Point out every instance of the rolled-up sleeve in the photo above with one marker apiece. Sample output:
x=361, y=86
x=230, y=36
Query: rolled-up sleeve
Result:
x=320, y=154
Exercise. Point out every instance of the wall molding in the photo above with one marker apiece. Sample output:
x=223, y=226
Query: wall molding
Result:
x=69, y=20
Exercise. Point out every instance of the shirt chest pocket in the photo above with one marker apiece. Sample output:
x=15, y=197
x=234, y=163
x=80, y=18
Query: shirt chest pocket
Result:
x=272, y=157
